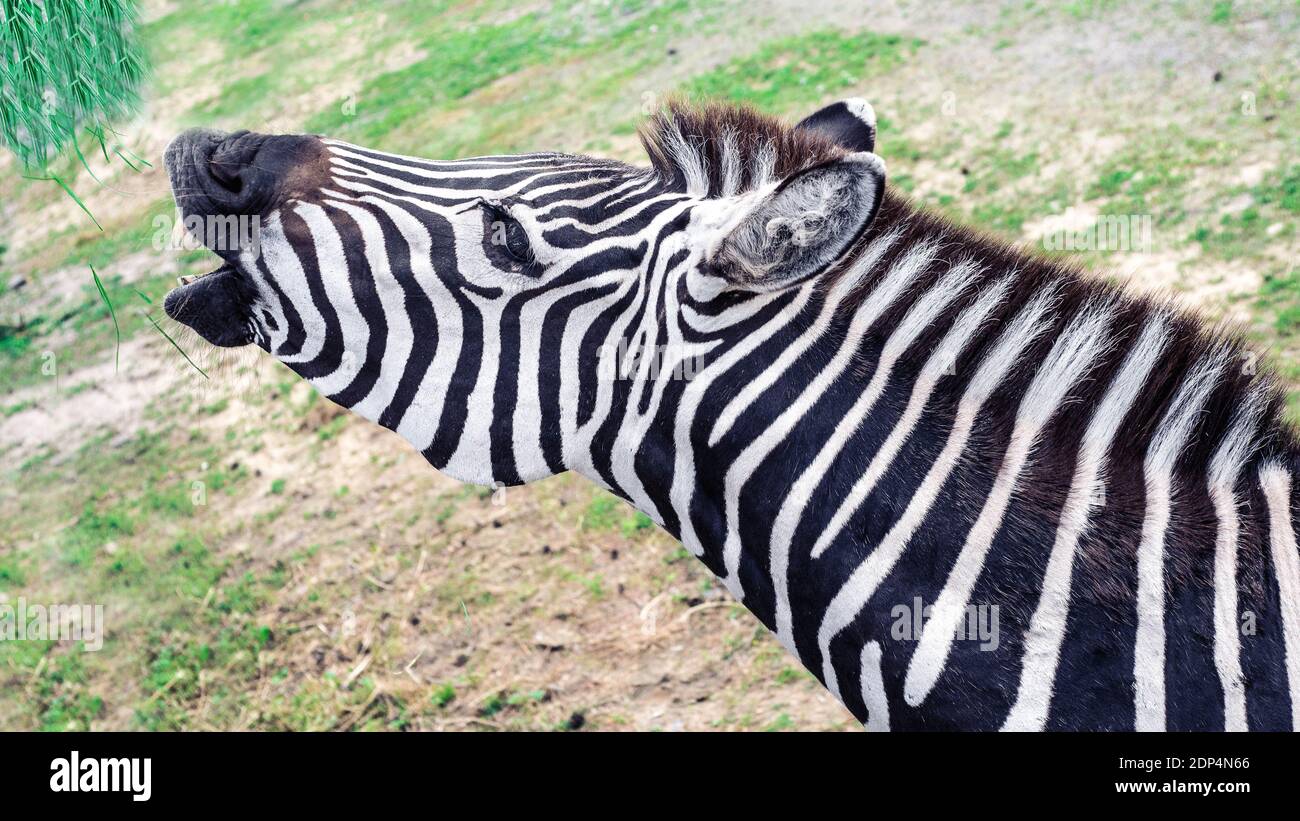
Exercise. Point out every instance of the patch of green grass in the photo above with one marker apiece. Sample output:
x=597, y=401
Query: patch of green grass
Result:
x=602, y=513
x=504, y=701
x=781, y=723
x=1087, y=9
x=1281, y=190
x=242, y=27
x=333, y=427
x=492, y=705
x=83, y=326
x=636, y=523
x=999, y=167
x=443, y=695
x=803, y=70
x=11, y=573
x=1280, y=296
x=594, y=585
x=789, y=675
x=1149, y=176
x=172, y=684
x=462, y=57
x=17, y=407
x=93, y=530
x=1009, y=219
x=1270, y=218
x=526, y=697
x=1279, y=302
x=149, y=229
x=607, y=512
x=62, y=700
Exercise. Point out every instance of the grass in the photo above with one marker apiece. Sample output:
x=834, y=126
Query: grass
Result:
x=274, y=564
x=803, y=70
x=141, y=538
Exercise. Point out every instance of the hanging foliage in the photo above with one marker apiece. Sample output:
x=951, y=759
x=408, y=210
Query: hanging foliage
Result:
x=66, y=66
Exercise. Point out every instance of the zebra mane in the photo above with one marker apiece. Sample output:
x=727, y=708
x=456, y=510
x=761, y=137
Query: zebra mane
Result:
x=718, y=149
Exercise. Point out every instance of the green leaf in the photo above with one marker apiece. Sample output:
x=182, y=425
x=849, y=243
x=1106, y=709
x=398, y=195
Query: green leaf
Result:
x=103, y=294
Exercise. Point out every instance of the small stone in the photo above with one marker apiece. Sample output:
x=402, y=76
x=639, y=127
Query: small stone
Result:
x=555, y=639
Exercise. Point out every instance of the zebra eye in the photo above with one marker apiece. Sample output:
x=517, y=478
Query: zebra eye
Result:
x=504, y=233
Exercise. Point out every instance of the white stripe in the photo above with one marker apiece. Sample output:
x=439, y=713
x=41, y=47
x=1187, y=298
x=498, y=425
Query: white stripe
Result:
x=731, y=170
x=347, y=175
x=919, y=317
x=1225, y=470
x=648, y=182
x=873, y=689
x=1071, y=358
x=634, y=424
x=727, y=317
x=1170, y=439
x=530, y=460
x=683, y=156
x=335, y=281
x=486, y=159
x=465, y=169
x=886, y=293
x=1276, y=481
x=853, y=595
x=419, y=423
x=936, y=367
x=475, y=444
x=605, y=193
x=618, y=218
x=1047, y=627
x=683, y=487
x=392, y=301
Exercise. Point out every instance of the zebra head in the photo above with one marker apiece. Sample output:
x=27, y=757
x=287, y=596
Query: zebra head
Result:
x=487, y=309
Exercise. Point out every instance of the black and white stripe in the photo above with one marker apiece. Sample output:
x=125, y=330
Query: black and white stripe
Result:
x=930, y=415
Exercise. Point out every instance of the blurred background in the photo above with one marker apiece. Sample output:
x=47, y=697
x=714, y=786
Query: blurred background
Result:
x=266, y=562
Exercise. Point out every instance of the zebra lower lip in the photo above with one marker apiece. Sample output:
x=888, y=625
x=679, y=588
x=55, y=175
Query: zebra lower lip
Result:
x=215, y=305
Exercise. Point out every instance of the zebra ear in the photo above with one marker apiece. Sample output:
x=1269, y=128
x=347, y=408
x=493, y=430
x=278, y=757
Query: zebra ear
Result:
x=851, y=123
x=803, y=227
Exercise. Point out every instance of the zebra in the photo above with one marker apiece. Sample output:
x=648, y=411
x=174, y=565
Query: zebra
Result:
x=868, y=421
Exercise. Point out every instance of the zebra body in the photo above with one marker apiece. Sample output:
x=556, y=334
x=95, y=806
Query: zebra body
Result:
x=848, y=409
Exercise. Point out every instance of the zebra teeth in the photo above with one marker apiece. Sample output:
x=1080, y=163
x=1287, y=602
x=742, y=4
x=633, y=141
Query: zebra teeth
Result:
x=186, y=279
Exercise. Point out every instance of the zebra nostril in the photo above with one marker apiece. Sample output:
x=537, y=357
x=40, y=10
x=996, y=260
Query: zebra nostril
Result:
x=233, y=171
x=226, y=175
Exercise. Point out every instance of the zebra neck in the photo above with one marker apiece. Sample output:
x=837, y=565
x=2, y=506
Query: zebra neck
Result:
x=952, y=429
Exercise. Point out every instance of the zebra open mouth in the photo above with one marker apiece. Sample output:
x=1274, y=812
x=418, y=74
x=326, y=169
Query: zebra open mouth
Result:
x=216, y=305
